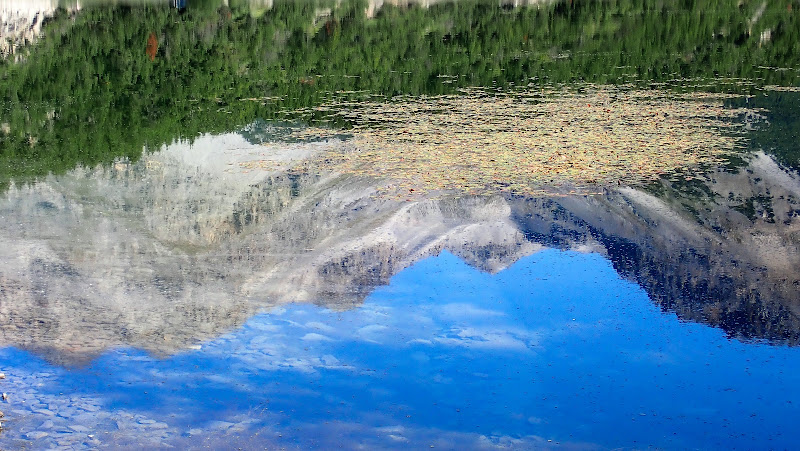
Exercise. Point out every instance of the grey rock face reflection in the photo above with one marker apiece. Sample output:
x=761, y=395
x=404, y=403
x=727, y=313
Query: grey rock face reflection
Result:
x=188, y=243
x=722, y=252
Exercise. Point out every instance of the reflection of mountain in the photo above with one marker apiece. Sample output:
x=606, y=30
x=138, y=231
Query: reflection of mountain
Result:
x=724, y=252
x=21, y=22
x=190, y=242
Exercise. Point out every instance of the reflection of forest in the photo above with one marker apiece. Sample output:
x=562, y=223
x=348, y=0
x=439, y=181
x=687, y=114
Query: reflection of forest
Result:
x=190, y=242
x=21, y=20
x=90, y=92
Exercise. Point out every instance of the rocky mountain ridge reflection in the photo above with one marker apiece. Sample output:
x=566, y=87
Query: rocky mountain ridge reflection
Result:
x=723, y=252
x=188, y=243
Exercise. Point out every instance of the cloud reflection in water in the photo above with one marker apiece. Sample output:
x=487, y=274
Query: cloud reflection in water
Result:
x=556, y=347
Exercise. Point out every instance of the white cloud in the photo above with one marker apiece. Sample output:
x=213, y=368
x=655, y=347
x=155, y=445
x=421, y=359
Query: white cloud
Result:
x=315, y=337
x=320, y=326
x=487, y=339
x=463, y=310
x=370, y=332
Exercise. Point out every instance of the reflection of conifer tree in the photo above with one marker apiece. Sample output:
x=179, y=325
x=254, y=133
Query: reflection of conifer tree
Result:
x=88, y=92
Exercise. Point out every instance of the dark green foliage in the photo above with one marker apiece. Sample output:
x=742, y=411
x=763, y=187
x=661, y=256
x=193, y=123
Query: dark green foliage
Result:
x=88, y=93
x=779, y=132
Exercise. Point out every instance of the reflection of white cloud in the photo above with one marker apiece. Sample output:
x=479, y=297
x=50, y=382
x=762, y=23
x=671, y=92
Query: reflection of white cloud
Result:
x=302, y=365
x=439, y=379
x=463, y=310
x=291, y=359
x=290, y=322
x=368, y=332
x=315, y=337
x=394, y=433
x=488, y=339
x=397, y=429
x=360, y=435
x=330, y=361
x=419, y=341
x=375, y=312
x=50, y=420
x=264, y=327
x=264, y=341
x=245, y=433
x=372, y=328
x=397, y=438
x=320, y=326
x=420, y=320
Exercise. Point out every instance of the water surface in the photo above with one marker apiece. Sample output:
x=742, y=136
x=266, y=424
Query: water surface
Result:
x=185, y=262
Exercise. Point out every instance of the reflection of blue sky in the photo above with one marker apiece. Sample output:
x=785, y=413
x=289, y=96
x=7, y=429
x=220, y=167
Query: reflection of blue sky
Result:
x=556, y=347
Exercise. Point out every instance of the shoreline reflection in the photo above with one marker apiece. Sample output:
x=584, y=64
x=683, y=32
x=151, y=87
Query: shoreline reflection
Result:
x=188, y=243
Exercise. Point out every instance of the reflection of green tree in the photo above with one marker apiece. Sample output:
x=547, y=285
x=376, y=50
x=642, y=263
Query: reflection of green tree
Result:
x=88, y=93
x=781, y=137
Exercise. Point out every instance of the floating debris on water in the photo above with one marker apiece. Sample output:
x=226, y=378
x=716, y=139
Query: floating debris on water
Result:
x=535, y=142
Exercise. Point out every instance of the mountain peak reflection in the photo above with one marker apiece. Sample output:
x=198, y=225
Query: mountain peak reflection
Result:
x=187, y=244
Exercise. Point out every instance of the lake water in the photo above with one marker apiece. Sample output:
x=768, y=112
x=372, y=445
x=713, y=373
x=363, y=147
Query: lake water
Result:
x=466, y=225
